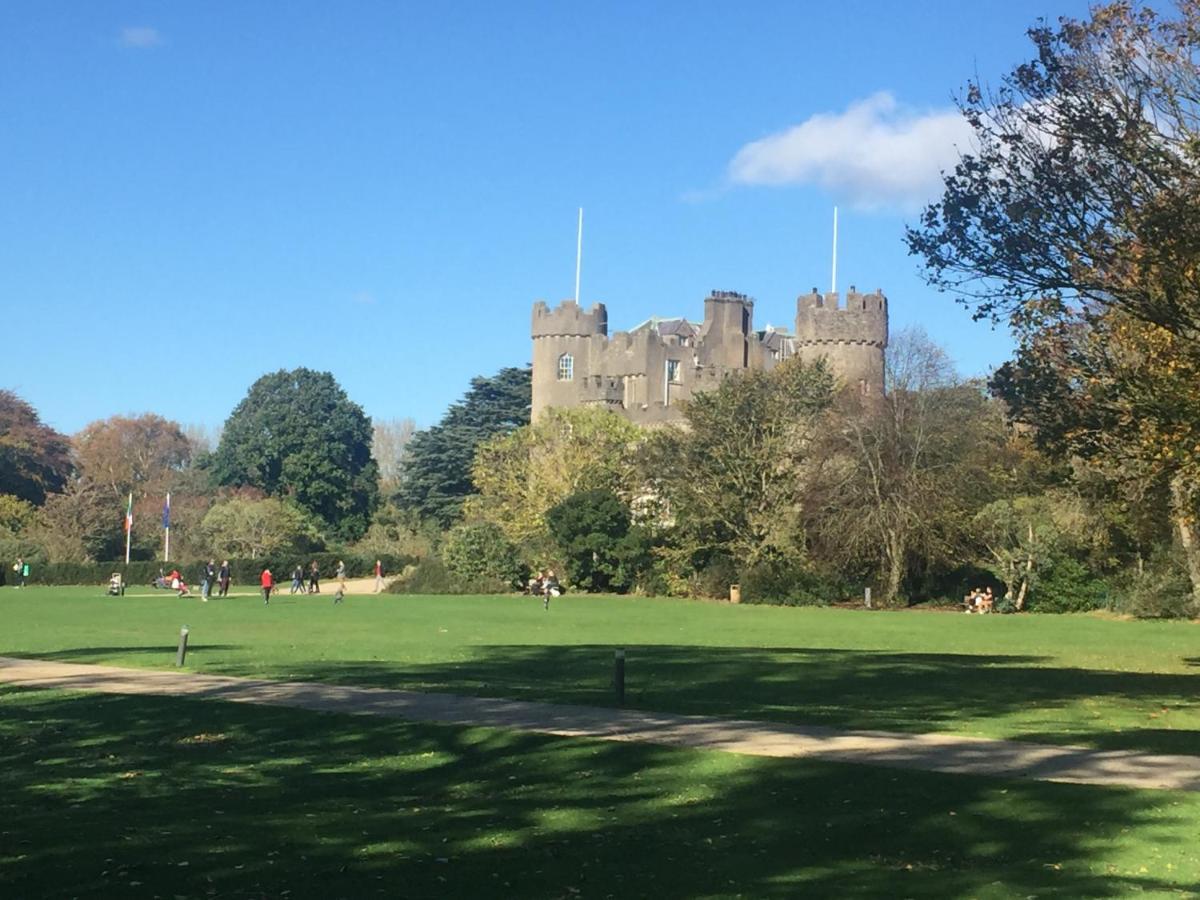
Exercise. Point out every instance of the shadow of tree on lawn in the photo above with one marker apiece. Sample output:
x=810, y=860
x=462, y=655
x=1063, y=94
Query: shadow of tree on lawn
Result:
x=192, y=798
x=844, y=688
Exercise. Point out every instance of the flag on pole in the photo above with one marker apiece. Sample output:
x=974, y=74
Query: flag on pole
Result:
x=167, y=512
x=128, y=526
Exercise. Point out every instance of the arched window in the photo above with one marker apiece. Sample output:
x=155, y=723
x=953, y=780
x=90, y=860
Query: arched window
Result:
x=566, y=367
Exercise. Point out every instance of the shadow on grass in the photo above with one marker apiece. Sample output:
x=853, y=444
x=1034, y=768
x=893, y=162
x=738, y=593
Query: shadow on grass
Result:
x=85, y=654
x=914, y=692
x=186, y=798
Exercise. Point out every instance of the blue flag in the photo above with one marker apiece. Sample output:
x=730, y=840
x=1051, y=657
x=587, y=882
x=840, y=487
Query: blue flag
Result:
x=167, y=512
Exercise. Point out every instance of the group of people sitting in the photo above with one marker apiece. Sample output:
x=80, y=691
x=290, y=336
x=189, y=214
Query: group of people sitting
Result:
x=979, y=600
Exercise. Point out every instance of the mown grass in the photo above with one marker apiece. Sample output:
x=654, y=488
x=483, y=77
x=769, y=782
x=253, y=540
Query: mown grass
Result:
x=1064, y=679
x=105, y=796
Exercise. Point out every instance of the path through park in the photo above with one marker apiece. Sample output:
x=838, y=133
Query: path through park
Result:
x=930, y=752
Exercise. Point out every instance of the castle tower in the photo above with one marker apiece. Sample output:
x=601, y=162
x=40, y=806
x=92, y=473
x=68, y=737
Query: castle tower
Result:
x=852, y=337
x=565, y=340
x=724, y=337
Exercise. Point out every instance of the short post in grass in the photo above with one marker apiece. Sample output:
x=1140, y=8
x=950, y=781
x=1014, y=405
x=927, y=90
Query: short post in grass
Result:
x=183, y=636
x=867, y=596
x=619, y=675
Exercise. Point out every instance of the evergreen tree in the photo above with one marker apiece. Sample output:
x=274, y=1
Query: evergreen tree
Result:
x=437, y=471
x=297, y=434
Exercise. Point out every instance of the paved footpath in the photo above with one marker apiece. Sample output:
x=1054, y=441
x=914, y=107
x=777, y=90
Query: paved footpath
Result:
x=928, y=752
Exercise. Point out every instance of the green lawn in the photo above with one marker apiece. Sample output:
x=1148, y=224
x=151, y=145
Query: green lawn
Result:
x=1066, y=679
x=104, y=796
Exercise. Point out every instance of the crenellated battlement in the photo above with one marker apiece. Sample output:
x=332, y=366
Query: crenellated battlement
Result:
x=646, y=372
x=568, y=320
x=823, y=319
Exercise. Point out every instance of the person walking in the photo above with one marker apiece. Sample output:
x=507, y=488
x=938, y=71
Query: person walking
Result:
x=378, y=575
x=223, y=578
x=210, y=578
x=341, y=574
x=550, y=588
x=19, y=567
x=314, y=578
x=297, y=579
x=267, y=583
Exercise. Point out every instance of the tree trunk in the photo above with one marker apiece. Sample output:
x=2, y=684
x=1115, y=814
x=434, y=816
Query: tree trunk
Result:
x=895, y=575
x=1020, y=601
x=1181, y=513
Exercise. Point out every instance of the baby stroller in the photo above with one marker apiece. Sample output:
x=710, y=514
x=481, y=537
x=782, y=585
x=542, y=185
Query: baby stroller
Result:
x=116, y=585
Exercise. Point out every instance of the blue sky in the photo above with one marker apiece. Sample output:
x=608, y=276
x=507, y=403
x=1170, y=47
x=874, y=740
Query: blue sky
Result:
x=194, y=194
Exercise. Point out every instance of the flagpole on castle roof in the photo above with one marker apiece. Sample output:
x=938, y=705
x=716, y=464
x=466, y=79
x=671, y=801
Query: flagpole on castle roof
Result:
x=578, y=255
x=833, y=285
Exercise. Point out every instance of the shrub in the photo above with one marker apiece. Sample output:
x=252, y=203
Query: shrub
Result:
x=714, y=578
x=1065, y=585
x=481, y=551
x=432, y=576
x=594, y=532
x=787, y=584
x=1163, y=591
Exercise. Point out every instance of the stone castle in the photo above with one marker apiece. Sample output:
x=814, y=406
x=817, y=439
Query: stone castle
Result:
x=643, y=373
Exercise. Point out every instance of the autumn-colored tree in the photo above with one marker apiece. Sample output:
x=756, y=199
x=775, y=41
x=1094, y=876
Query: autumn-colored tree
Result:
x=139, y=454
x=35, y=460
x=1076, y=218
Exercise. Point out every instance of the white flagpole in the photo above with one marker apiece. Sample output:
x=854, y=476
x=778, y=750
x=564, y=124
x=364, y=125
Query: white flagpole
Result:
x=833, y=287
x=167, y=539
x=578, y=254
x=128, y=527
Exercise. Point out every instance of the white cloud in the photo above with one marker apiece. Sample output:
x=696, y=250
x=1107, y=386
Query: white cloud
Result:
x=875, y=154
x=140, y=37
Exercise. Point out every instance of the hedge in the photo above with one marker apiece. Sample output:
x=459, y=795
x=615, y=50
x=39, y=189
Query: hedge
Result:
x=242, y=571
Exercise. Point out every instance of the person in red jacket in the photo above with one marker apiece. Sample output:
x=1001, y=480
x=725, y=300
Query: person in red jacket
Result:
x=267, y=584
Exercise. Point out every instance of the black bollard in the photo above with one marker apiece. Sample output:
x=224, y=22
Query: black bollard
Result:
x=619, y=676
x=183, y=636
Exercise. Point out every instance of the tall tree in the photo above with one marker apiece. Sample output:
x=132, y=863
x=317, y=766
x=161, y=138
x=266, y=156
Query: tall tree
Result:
x=436, y=476
x=81, y=524
x=1077, y=218
x=522, y=474
x=732, y=478
x=903, y=473
x=35, y=460
x=297, y=434
x=388, y=446
x=139, y=454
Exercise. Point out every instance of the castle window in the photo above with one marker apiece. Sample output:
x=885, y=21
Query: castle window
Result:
x=566, y=367
x=673, y=371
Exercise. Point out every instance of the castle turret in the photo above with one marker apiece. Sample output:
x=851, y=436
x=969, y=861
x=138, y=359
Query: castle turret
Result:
x=724, y=337
x=565, y=340
x=852, y=337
